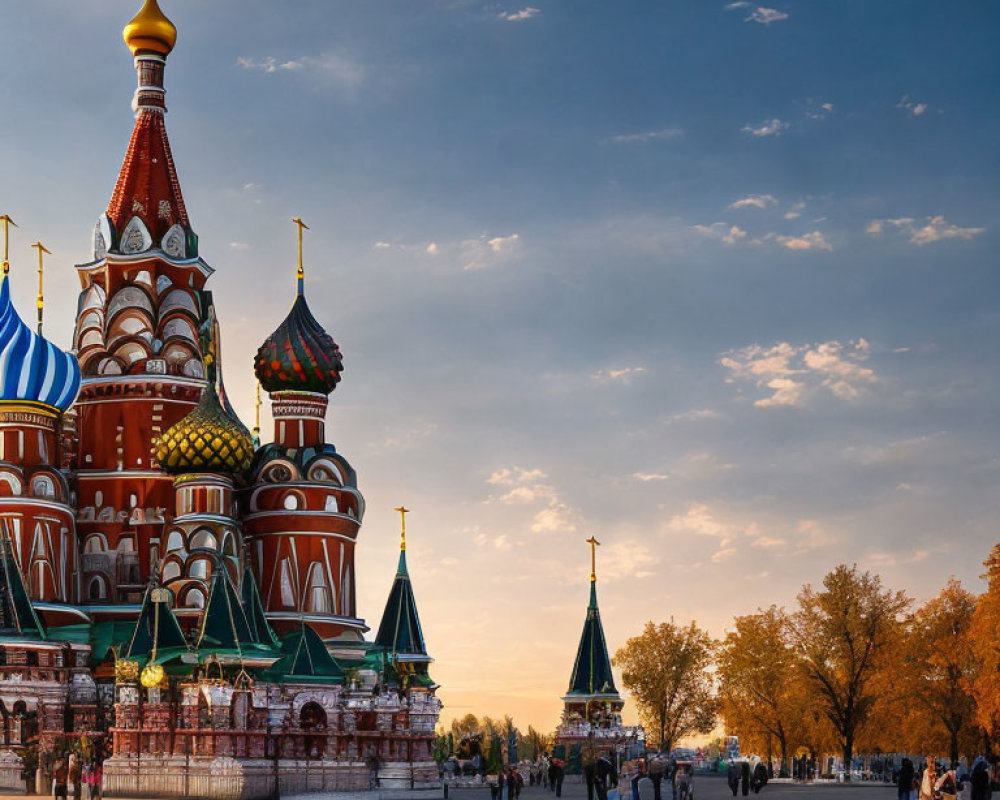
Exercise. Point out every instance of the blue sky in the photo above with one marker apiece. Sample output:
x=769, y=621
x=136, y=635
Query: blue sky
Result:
x=716, y=283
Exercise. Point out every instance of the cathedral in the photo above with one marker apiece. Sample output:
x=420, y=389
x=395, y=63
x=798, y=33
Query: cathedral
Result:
x=177, y=600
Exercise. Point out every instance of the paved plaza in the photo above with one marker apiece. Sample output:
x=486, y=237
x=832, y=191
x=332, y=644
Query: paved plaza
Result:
x=714, y=788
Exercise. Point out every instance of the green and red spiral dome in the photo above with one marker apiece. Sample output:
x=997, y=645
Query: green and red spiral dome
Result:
x=299, y=356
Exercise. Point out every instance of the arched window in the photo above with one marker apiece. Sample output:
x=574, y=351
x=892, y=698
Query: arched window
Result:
x=171, y=571
x=43, y=486
x=10, y=484
x=318, y=596
x=345, y=594
x=204, y=539
x=312, y=717
x=331, y=503
x=198, y=568
x=195, y=598
x=95, y=544
x=97, y=589
x=175, y=541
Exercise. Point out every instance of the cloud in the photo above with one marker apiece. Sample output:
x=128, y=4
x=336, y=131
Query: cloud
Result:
x=770, y=127
x=790, y=372
x=754, y=201
x=910, y=106
x=819, y=112
x=933, y=229
x=511, y=476
x=699, y=520
x=382, y=245
x=727, y=234
x=330, y=65
x=622, y=374
x=807, y=241
x=526, y=487
x=647, y=136
x=519, y=16
x=626, y=560
x=432, y=249
x=485, y=252
x=241, y=247
x=649, y=477
x=695, y=414
x=795, y=210
x=759, y=14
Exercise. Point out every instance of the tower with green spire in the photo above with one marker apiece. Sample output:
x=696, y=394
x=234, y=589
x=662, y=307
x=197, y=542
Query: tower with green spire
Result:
x=592, y=704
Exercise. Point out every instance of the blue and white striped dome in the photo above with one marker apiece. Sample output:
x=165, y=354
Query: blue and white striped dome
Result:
x=32, y=369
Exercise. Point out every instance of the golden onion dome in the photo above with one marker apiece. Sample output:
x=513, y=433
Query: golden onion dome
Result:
x=206, y=440
x=150, y=30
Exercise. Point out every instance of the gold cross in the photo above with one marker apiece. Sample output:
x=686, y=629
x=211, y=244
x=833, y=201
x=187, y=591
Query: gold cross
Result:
x=300, y=273
x=256, y=412
x=592, y=541
x=403, y=511
x=7, y=222
x=41, y=267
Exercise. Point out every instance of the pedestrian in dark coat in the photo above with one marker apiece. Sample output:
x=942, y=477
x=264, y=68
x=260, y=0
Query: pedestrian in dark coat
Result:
x=904, y=783
x=980, y=779
x=745, y=778
x=733, y=777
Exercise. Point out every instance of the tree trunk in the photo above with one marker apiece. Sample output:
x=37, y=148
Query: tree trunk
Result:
x=783, y=745
x=954, y=749
x=848, y=756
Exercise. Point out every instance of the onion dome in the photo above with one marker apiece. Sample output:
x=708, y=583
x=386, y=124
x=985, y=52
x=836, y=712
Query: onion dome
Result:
x=299, y=356
x=32, y=369
x=206, y=440
x=150, y=30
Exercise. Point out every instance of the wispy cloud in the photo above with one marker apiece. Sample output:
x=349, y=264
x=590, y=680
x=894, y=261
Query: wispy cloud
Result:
x=933, y=229
x=795, y=210
x=806, y=241
x=695, y=414
x=334, y=66
x=754, y=201
x=240, y=247
x=650, y=477
x=528, y=487
x=822, y=111
x=759, y=14
x=646, y=136
x=913, y=108
x=790, y=372
x=519, y=16
x=488, y=251
x=724, y=232
x=770, y=127
x=620, y=374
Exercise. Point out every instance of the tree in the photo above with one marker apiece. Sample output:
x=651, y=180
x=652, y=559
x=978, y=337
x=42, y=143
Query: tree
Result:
x=535, y=743
x=756, y=669
x=983, y=640
x=940, y=667
x=841, y=636
x=666, y=670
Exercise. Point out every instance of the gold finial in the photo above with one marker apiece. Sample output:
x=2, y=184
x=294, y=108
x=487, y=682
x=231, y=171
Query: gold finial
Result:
x=592, y=541
x=7, y=222
x=41, y=248
x=300, y=273
x=150, y=30
x=403, y=511
x=256, y=412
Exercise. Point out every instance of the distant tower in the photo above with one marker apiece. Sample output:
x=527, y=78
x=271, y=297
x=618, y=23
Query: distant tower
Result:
x=302, y=510
x=592, y=704
x=400, y=637
x=137, y=340
x=38, y=382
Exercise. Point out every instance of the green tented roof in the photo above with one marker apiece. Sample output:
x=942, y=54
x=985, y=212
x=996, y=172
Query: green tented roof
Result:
x=253, y=606
x=400, y=632
x=592, y=670
x=224, y=624
x=157, y=626
x=17, y=617
x=306, y=658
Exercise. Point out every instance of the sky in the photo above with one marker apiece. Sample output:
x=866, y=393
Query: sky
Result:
x=716, y=283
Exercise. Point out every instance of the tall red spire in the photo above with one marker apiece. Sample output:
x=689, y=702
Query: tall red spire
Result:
x=147, y=187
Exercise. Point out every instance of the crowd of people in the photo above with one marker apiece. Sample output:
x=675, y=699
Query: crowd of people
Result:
x=931, y=783
x=659, y=770
x=70, y=775
x=741, y=775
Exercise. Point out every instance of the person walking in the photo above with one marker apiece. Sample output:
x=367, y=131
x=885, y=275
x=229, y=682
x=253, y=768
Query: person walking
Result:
x=927, y=781
x=745, y=778
x=733, y=777
x=59, y=777
x=559, y=772
x=980, y=779
x=904, y=783
x=657, y=766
